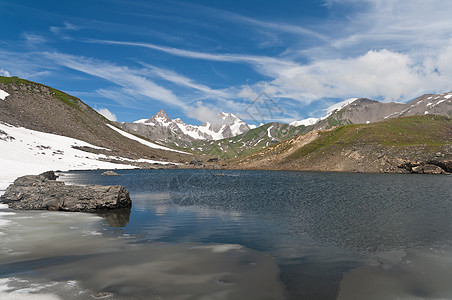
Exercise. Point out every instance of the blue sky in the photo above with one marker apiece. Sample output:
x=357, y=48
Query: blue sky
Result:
x=197, y=58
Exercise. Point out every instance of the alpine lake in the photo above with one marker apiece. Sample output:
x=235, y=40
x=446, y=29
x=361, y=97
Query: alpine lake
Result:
x=214, y=234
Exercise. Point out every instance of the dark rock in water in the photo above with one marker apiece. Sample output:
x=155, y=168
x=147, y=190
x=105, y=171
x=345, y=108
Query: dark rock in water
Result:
x=50, y=175
x=110, y=173
x=40, y=193
x=427, y=169
x=446, y=165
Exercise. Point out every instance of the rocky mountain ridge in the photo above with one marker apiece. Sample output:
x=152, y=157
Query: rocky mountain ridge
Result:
x=364, y=111
x=41, y=108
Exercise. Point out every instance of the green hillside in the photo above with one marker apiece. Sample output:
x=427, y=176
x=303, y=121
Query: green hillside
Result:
x=427, y=131
x=386, y=146
x=248, y=142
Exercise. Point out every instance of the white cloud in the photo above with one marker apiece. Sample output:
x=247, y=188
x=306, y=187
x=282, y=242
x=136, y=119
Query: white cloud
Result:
x=389, y=49
x=376, y=73
x=247, y=93
x=107, y=114
x=387, y=74
x=203, y=113
x=4, y=73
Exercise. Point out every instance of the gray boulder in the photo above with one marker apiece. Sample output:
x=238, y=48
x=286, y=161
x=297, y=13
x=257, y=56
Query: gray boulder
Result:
x=110, y=173
x=37, y=192
x=50, y=175
x=427, y=169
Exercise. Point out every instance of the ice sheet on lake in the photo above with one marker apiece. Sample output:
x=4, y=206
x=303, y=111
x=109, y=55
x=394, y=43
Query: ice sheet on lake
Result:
x=402, y=274
x=56, y=247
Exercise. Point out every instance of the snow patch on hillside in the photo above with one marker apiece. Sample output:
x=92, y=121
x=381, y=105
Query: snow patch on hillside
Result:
x=268, y=131
x=144, y=142
x=3, y=95
x=26, y=152
x=338, y=106
x=305, y=122
x=329, y=111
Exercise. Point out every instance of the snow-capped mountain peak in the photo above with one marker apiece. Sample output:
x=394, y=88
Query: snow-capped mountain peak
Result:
x=225, y=126
x=160, y=119
x=329, y=111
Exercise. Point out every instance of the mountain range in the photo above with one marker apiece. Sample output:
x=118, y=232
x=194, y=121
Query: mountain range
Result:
x=43, y=128
x=232, y=137
x=176, y=133
x=364, y=111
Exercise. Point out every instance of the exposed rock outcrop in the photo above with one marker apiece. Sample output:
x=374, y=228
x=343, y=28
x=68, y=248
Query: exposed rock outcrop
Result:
x=110, y=173
x=428, y=167
x=38, y=192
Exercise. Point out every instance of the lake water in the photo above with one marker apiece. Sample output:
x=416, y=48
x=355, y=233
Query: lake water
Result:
x=239, y=235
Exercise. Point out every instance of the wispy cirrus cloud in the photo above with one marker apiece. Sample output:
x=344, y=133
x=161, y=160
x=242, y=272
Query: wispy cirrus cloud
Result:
x=184, y=81
x=264, y=64
x=130, y=83
x=232, y=17
x=33, y=38
x=25, y=64
x=128, y=79
x=408, y=26
x=383, y=74
x=254, y=25
x=66, y=27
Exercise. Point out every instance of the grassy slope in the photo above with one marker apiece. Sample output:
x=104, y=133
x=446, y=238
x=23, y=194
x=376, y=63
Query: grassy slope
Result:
x=63, y=97
x=429, y=131
x=400, y=138
x=248, y=142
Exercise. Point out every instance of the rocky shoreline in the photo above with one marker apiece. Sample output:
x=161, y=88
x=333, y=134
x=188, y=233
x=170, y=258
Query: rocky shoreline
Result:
x=43, y=192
